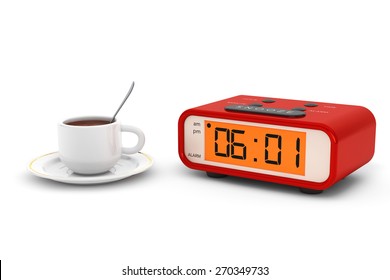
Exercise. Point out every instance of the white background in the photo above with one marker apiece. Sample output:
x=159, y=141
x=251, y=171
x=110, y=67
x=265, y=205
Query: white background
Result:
x=70, y=58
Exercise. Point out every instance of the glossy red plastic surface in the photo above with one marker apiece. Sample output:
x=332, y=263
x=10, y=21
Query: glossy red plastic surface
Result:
x=350, y=128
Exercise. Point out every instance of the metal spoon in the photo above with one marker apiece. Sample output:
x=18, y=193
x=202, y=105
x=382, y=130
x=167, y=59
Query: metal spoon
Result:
x=123, y=102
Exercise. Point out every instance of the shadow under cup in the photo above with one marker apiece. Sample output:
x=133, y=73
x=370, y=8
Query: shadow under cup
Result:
x=93, y=145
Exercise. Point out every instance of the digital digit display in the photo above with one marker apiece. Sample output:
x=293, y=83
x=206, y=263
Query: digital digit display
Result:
x=257, y=147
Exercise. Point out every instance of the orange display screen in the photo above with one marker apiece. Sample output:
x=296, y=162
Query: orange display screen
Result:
x=257, y=147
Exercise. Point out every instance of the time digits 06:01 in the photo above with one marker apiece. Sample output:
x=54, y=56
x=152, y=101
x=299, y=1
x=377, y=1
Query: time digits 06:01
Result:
x=258, y=147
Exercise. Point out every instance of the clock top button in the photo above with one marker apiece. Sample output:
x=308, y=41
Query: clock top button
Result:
x=268, y=101
x=311, y=105
x=299, y=109
x=265, y=111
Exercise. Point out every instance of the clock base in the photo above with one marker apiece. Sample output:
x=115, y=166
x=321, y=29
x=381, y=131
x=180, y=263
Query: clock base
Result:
x=310, y=191
x=215, y=175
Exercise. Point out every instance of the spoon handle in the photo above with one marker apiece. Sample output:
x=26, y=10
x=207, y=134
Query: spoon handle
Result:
x=123, y=102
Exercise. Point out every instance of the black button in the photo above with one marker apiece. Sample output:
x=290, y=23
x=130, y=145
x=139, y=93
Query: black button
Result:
x=299, y=109
x=256, y=104
x=268, y=101
x=266, y=111
x=311, y=105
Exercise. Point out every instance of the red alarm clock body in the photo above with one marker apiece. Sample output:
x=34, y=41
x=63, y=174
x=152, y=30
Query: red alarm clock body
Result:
x=310, y=145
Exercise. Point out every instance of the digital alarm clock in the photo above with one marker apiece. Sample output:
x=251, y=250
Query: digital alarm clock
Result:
x=310, y=145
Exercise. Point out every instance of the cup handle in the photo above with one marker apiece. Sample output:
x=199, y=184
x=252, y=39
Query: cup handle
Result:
x=141, y=139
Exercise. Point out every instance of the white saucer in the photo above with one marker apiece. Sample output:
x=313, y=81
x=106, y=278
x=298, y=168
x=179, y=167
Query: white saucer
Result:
x=50, y=166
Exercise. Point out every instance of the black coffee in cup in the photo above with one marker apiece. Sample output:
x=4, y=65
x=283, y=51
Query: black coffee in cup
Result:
x=88, y=122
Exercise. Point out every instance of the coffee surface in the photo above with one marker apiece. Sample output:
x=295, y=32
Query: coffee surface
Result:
x=88, y=122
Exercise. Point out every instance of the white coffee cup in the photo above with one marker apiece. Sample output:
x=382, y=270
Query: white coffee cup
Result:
x=94, y=149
